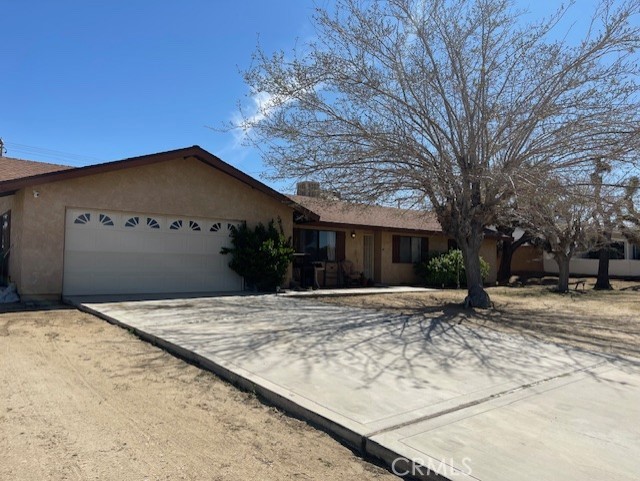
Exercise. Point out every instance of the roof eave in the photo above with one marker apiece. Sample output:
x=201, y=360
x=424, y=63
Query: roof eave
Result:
x=347, y=225
x=9, y=187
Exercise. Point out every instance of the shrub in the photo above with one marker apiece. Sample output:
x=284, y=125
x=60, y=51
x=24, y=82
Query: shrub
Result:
x=260, y=255
x=447, y=270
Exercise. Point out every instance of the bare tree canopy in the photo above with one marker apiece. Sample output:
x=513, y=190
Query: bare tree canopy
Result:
x=454, y=104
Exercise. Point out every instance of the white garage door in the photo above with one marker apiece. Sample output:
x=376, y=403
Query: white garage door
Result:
x=132, y=253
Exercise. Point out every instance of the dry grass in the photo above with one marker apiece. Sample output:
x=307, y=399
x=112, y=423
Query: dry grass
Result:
x=605, y=321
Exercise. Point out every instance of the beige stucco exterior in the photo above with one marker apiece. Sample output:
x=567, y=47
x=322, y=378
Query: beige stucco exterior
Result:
x=6, y=203
x=404, y=273
x=527, y=259
x=388, y=272
x=184, y=187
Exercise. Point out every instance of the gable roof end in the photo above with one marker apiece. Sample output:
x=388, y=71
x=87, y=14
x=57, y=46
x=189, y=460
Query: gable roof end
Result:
x=23, y=173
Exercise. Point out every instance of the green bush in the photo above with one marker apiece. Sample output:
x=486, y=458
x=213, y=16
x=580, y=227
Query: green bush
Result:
x=260, y=255
x=447, y=270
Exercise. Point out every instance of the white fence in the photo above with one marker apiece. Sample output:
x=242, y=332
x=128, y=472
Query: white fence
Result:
x=627, y=267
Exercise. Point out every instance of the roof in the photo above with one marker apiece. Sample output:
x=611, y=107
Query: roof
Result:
x=334, y=212
x=11, y=169
x=25, y=173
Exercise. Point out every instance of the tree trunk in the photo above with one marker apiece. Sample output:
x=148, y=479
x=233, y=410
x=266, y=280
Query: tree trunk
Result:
x=477, y=296
x=563, y=272
x=504, y=272
x=509, y=247
x=602, y=283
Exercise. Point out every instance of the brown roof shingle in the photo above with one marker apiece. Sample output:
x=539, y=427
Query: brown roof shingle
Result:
x=340, y=212
x=18, y=168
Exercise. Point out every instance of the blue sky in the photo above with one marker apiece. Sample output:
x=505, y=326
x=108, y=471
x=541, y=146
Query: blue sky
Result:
x=88, y=81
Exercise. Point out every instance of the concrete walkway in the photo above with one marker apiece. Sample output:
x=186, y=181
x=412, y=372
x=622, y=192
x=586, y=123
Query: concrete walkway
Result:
x=463, y=402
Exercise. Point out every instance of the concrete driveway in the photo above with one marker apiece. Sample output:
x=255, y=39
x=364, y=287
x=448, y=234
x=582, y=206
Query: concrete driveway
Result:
x=424, y=395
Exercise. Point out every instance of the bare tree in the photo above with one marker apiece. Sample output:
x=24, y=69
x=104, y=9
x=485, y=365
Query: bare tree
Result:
x=446, y=104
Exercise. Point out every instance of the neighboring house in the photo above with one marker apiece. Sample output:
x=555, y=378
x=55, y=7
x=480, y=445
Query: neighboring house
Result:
x=156, y=224
x=150, y=224
x=382, y=242
x=624, y=261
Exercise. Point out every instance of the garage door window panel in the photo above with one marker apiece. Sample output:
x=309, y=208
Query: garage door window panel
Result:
x=83, y=219
x=153, y=223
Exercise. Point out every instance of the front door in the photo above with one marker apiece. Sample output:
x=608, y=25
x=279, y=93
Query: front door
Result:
x=368, y=256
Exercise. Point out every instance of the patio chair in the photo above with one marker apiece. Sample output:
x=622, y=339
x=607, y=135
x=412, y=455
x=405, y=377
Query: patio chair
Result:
x=350, y=277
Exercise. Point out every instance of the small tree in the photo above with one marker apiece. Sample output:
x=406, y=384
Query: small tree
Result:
x=260, y=255
x=560, y=217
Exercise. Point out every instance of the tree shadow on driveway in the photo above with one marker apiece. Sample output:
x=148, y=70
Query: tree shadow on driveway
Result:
x=364, y=347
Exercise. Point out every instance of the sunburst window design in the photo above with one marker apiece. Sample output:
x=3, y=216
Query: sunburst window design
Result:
x=215, y=227
x=83, y=218
x=105, y=220
x=152, y=223
x=193, y=225
x=132, y=222
x=176, y=225
x=229, y=226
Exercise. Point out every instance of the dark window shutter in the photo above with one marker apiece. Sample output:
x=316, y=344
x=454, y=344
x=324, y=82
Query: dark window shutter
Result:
x=340, y=246
x=395, y=249
x=424, y=249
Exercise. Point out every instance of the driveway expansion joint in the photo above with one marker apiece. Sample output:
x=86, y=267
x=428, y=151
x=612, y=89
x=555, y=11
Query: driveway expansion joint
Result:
x=486, y=399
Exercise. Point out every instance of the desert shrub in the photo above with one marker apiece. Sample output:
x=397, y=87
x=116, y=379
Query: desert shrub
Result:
x=447, y=270
x=261, y=255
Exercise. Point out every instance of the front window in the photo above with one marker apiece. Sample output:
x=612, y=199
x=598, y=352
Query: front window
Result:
x=635, y=252
x=409, y=250
x=321, y=245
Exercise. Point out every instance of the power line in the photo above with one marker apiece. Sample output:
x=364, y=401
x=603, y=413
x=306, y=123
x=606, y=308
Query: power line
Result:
x=49, y=154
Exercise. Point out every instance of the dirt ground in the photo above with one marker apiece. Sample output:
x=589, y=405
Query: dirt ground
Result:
x=604, y=321
x=82, y=399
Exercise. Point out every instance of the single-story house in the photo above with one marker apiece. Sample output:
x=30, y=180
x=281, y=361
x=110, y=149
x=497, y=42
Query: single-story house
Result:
x=156, y=223
x=383, y=243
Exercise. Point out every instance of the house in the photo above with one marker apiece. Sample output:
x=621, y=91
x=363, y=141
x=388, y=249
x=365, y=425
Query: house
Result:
x=624, y=260
x=150, y=224
x=156, y=224
x=382, y=242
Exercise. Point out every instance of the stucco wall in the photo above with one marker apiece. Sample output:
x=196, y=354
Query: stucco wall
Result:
x=6, y=203
x=489, y=253
x=527, y=259
x=394, y=274
x=185, y=187
x=404, y=274
x=353, y=246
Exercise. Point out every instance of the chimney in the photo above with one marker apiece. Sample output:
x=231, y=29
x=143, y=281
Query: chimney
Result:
x=309, y=189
